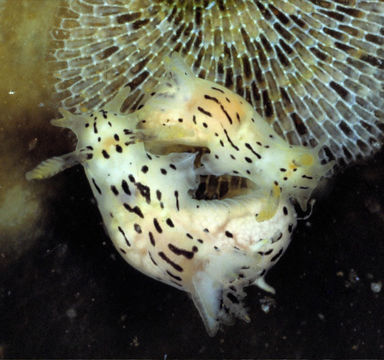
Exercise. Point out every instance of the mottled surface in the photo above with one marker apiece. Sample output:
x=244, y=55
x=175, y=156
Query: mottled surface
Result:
x=72, y=295
x=314, y=69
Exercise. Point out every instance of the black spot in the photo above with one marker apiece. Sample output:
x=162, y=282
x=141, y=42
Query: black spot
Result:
x=104, y=113
x=151, y=239
x=105, y=154
x=177, y=200
x=183, y=252
x=248, y=160
x=285, y=210
x=172, y=166
x=144, y=169
x=97, y=188
x=170, y=223
x=217, y=89
x=119, y=149
x=157, y=226
x=170, y=262
x=178, y=278
x=123, y=233
x=263, y=253
x=189, y=236
x=125, y=187
x=131, y=178
x=137, y=228
x=114, y=190
x=290, y=228
x=274, y=258
x=116, y=137
x=249, y=147
x=89, y=156
x=230, y=141
x=145, y=192
x=136, y=210
x=150, y=256
x=163, y=171
x=226, y=114
x=228, y=234
x=205, y=125
x=212, y=98
x=203, y=111
x=278, y=238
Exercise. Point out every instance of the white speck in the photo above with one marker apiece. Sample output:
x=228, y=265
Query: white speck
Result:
x=267, y=303
x=71, y=313
x=11, y=92
x=353, y=278
x=265, y=308
x=135, y=342
x=376, y=286
x=321, y=316
x=211, y=5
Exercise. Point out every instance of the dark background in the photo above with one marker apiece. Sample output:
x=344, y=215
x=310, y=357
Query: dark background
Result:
x=72, y=295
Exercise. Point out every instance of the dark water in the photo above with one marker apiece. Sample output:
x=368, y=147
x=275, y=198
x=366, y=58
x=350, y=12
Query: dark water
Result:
x=72, y=296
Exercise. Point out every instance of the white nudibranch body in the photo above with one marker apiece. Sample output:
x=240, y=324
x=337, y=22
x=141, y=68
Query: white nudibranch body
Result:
x=187, y=110
x=210, y=248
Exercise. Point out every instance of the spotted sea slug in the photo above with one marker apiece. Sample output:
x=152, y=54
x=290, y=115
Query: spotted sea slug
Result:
x=210, y=248
x=187, y=110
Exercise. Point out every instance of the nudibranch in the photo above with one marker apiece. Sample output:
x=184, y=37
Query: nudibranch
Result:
x=187, y=110
x=145, y=189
